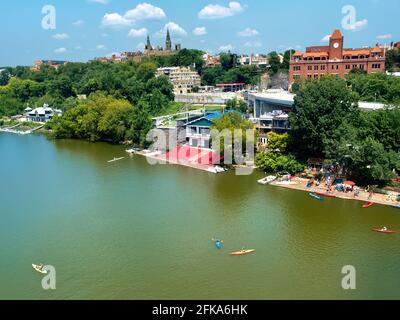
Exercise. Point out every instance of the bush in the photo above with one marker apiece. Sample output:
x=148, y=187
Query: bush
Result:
x=274, y=162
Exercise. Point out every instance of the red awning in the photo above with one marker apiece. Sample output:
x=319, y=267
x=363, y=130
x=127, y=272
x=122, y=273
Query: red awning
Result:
x=349, y=183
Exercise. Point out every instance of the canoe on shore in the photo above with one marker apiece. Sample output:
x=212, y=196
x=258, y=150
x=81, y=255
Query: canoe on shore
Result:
x=326, y=195
x=384, y=231
x=368, y=204
x=242, y=252
x=313, y=195
x=396, y=207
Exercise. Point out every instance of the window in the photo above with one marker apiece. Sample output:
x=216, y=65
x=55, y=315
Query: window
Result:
x=309, y=67
x=309, y=76
x=315, y=68
x=347, y=67
x=376, y=66
x=362, y=67
x=296, y=68
x=315, y=76
x=296, y=76
x=323, y=68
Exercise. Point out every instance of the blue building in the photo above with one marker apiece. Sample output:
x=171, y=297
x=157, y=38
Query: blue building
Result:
x=198, y=132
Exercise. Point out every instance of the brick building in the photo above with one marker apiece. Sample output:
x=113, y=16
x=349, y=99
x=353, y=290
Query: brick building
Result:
x=334, y=59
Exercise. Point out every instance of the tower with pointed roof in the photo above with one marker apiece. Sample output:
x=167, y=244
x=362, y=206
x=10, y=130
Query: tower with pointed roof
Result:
x=336, y=45
x=168, y=43
x=148, y=46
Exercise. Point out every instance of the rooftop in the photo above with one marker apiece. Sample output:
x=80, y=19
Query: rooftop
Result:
x=276, y=96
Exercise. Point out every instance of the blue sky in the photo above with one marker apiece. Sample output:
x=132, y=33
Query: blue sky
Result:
x=93, y=28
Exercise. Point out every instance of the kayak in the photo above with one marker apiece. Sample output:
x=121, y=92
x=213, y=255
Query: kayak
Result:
x=242, y=252
x=396, y=207
x=384, y=231
x=38, y=269
x=368, y=204
x=315, y=196
x=327, y=195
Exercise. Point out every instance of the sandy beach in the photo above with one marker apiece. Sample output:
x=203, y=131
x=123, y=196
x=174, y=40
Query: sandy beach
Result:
x=301, y=184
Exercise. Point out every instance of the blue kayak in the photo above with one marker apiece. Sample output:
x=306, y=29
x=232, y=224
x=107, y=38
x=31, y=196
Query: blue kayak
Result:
x=396, y=207
x=312, y=194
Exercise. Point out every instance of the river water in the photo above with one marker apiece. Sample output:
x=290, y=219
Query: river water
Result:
x=130, y=230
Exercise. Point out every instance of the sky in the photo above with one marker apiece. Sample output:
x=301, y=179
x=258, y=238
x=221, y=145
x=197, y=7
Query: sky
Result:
x=83, y=29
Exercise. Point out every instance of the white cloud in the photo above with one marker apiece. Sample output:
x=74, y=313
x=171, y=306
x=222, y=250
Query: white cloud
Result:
x=174, y=29
x=359, y=25
x=248, y=32
x=255, y=44
x=78, y=23
x=61, y=36
x=99, y=1
x=326, y=38
x=385, y=36
x=115, y=20
x=200, y=31
x=145, y=11
x=104, y=35
x=78, y=48
x=136, y=33
x=216, y=11
x=60, y=50
x=227, y=47
x=100, y=47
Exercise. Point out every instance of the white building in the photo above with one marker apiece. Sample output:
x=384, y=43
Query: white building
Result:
x=257, y=60
x=271, y=112
x=42, y=114
x=183, y=79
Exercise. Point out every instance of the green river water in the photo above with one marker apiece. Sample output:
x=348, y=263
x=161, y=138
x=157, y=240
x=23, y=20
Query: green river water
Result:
x=130, y=230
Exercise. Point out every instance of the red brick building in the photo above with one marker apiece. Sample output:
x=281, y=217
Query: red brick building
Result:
x=334, y=59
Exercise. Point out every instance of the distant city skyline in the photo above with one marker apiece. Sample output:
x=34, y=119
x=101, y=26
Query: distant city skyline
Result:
x=86, y=29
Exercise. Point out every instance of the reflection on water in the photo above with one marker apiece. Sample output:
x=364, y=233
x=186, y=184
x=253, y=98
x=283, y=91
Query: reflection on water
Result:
x=130, y=230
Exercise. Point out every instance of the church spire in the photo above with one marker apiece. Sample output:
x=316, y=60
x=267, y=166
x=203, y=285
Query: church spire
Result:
x=148, y=44
x=168, y=43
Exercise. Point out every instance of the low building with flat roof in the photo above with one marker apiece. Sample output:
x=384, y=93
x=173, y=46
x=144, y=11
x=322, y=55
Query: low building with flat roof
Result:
x=231, y=86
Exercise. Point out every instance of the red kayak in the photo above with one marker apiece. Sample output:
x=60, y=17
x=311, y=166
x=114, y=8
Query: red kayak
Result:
x=368, y=204
x=326, y=195
x=384, y=231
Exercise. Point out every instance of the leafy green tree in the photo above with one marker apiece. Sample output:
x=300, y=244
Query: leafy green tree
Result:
x=141, y=124
x=272, y=162
x=378, y=87
x=319, y=110
x=369, y=163
x=392, y=59
x=233, y=122
x=286, y=59
x=274, y=62
x=277, y=142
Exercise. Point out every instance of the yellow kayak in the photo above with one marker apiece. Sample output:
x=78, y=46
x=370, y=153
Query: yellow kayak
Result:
x=242, y=252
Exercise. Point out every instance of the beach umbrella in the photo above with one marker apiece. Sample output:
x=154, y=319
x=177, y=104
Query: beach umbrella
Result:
x=349, y=183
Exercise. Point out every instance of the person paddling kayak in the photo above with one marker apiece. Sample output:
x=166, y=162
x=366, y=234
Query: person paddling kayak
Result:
x=218, y=243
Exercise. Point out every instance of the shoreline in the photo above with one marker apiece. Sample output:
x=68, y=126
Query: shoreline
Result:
x=300, y=184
